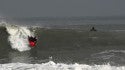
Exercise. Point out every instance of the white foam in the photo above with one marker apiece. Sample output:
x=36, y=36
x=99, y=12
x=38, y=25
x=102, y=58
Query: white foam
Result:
x=19, y=37
x=59, y=66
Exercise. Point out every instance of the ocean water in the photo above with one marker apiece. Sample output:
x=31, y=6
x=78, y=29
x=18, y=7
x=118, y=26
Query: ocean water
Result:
x=63, y=44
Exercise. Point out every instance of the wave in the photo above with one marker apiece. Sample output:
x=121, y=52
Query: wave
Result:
x=64, y=45
x=58, y=66
x=18, y=36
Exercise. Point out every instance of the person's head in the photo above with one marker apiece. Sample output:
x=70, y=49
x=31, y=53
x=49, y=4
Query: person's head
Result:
x=32, y=38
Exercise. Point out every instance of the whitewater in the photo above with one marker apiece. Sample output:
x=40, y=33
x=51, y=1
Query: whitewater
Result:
x=19, y=37
x=57, y=66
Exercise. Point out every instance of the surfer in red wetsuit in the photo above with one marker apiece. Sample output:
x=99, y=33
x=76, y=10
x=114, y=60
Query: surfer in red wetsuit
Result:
x=32, y=41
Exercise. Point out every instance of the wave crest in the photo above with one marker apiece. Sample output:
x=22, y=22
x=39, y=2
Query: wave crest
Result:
x=19, y=37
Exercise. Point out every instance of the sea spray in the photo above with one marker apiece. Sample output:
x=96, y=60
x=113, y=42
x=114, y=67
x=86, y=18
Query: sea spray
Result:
x=18, y=37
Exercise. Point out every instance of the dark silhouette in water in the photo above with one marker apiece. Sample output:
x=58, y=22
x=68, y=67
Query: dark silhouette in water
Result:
x=32, y=41
x=93, y=29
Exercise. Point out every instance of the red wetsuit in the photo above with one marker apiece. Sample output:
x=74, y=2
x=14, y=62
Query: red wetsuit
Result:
x=32, y=41
x=32, y=44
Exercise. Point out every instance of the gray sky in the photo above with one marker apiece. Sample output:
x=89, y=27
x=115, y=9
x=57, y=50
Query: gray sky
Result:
x=61, y=8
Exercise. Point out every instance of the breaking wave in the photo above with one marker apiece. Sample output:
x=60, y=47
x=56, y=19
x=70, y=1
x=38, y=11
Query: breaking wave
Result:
x=58, y=66
x=18, y=37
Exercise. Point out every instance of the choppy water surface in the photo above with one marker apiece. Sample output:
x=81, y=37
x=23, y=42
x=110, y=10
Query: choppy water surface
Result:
x=63, y=46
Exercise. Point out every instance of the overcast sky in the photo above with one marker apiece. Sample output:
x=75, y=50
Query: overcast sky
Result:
x=61, y=8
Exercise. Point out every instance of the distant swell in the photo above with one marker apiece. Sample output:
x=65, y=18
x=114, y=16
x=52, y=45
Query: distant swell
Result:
x=18, y=37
